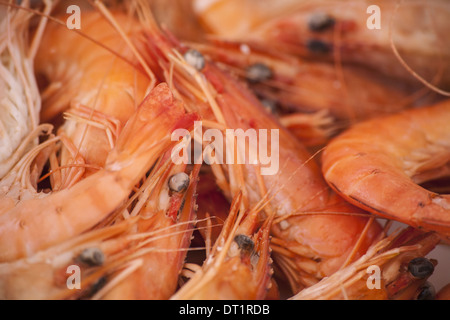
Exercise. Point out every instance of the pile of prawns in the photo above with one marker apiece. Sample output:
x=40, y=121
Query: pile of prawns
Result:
x=87, y=180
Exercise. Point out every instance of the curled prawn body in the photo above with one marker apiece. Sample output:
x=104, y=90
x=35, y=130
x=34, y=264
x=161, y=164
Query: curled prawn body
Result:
x=99, y=72
x=388, y=157
x=97, y=82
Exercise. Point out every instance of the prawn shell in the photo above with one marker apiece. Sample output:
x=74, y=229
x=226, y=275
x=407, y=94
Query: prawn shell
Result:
x=369, y=165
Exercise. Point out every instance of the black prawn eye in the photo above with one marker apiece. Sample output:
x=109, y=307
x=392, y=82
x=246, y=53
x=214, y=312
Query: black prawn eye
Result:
x=244, y=243
x=420, y=268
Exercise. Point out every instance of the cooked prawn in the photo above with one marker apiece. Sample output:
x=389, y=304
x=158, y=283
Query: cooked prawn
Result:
x=163, y=255
x=290, y=200
x=326, y=28
x=37, y=223
x=378, y=165
x=96, y=78
x=102, y=92
x=240, y=255
x=112, y=258
x=298, y=187
x=347, y=94
x=43, y=275
x=393, y=256
x=124, y=213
